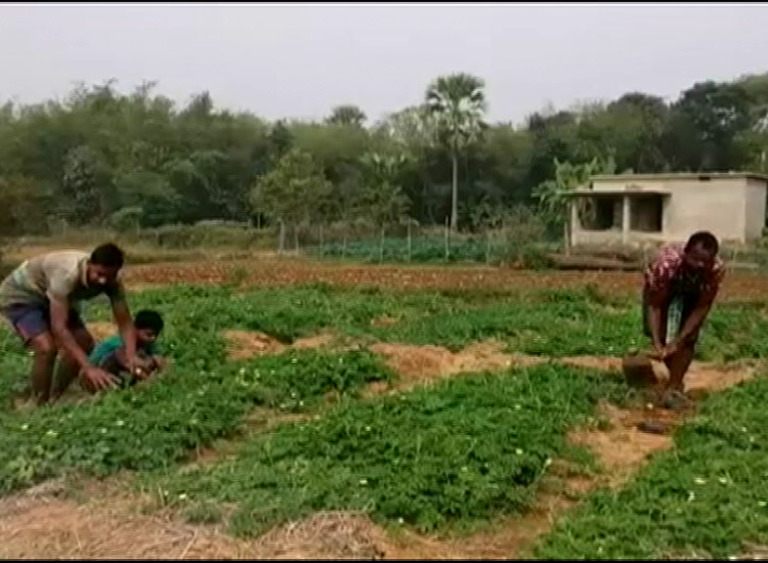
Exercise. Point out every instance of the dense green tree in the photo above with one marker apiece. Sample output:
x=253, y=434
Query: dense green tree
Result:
x=132, y=160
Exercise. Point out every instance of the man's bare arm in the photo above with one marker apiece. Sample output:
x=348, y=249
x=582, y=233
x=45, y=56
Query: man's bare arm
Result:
x=122, y=315
x=697, y=316
x=658, y=305
x=59, y=317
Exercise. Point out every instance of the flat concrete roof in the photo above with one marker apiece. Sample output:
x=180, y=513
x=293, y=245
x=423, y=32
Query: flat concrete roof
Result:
x=672, y=176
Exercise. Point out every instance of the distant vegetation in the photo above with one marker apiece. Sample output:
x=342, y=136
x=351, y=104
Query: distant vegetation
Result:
x=134, y=161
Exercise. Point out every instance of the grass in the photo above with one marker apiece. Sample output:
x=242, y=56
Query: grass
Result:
x=154, y=426
x=588, y=323
x=451, y=456
x=431, y=249
x=705, y=497
x=470, y=449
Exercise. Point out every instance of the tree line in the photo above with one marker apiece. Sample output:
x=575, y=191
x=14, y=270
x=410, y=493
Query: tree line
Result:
x=101, y=157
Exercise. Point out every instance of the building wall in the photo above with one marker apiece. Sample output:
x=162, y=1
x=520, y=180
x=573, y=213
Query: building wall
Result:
x=718, y=206
x=732, y=208
x=755, y=208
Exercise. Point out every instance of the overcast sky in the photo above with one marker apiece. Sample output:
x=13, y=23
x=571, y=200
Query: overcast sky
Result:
x=297, y=60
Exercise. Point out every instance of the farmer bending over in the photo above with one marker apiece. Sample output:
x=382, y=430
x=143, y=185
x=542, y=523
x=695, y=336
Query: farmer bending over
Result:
x=41, y=298
x=110, y=354
x=680, y=286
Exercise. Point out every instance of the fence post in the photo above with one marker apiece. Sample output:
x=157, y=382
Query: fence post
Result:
x=409, y=240
x=447, y=240
x=488, y=246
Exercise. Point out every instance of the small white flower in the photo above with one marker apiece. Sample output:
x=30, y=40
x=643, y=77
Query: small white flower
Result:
x=103, y=430
x=518, y=407
x=762, y=503
x=400, y=521
x=52, y=433
x=25, y=426
x=518, y=451
x=548, y=462
x=183, y=496
x=723, y=480
x=700, y=481
x=363, y=481
x=691, y=496
x=367, y=428
x=120, y=423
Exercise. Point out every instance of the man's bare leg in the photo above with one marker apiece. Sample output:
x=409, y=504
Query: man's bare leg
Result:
x=678, y=366
x=43, y=362
x=68, y=369
x=673, y=396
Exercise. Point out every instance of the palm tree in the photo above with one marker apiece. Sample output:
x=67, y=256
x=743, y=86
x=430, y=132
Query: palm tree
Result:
x=457, y=103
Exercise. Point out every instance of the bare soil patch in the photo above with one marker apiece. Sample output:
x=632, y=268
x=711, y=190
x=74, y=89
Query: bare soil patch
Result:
x=242, y=344
x=43, y=524
x=108, y=525
x=419, y=365
x=623, y=449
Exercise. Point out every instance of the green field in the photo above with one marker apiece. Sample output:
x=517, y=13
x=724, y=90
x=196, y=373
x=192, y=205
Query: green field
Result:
x=454, y=457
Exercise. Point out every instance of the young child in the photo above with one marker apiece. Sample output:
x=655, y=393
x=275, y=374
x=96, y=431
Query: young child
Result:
x=109, y=354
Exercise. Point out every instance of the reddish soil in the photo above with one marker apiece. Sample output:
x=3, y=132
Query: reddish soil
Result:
x=281, y=271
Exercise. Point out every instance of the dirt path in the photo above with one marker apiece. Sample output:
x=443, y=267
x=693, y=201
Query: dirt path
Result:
x=44, y=524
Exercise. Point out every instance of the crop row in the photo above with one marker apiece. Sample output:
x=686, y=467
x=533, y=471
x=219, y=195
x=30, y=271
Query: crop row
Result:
x=703, y=499
x=552, y=323
x=150, y=427
x=468, y=450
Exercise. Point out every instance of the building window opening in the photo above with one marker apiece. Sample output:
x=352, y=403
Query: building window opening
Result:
x=646, y=213
x=600, y=214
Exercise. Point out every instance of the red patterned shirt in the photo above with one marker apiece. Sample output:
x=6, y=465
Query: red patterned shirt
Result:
x=666, y=272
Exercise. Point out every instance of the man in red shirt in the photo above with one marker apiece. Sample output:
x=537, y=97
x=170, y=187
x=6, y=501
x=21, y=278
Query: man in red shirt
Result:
x=679, y=288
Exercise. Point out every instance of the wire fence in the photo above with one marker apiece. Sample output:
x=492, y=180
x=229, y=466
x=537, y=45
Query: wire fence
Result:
x=522, y=244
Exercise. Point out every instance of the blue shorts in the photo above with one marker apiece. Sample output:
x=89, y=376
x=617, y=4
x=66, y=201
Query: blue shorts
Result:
x=30, y=321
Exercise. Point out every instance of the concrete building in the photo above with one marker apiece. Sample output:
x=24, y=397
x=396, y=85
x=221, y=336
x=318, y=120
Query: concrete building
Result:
x=633, y=209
